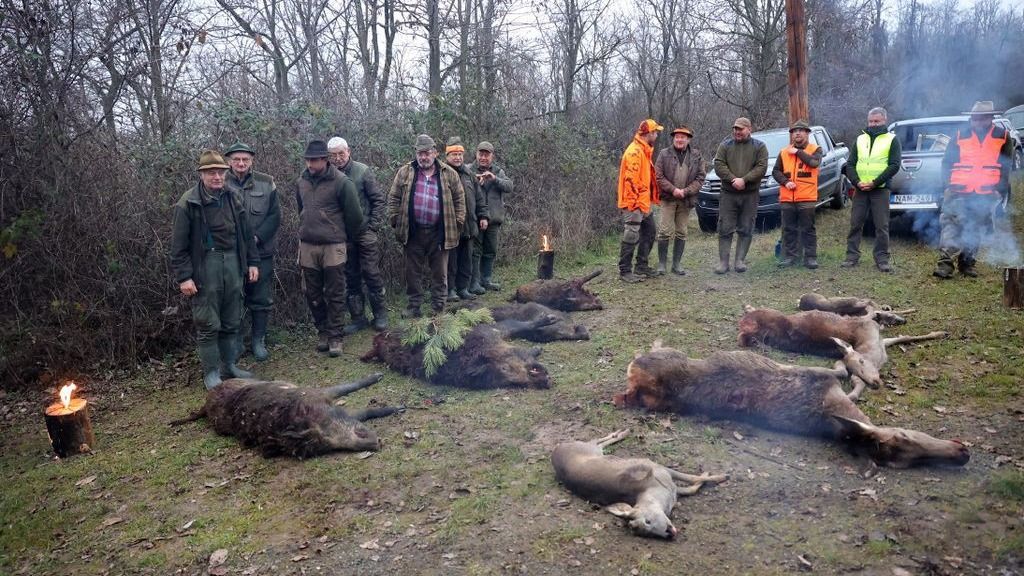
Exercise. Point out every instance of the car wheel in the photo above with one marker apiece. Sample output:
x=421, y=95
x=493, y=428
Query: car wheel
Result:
x=841, y=197
x=707, y=222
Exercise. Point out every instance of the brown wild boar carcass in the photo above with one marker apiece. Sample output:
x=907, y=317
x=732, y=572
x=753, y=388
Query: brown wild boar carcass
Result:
x=282, y=418
x=536, y=323
x=483, y=361
x=803, y=400
x=850, y=306
x=814, y=332
x=637, y=489
x=564, y=295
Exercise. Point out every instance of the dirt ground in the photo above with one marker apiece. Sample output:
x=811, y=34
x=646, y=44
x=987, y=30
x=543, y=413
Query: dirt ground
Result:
x=463, y=484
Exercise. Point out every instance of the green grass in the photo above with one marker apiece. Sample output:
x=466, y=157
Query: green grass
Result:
x=1008, y=485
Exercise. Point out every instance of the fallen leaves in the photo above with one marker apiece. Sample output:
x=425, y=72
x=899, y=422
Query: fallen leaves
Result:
x=216, y=565
x=110, y=521
x=85, y=481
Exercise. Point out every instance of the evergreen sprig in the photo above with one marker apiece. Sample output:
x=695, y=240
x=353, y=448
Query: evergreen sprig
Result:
x=442, y=334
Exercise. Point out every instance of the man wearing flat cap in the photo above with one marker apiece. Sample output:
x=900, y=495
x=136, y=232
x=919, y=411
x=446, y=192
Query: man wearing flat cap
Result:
x=259, y=198
x=460, y=260
x=680, y=173
x=329, y=213
x=363, y=264
x=426, y=209
x=976, y=168
x=213, y=253
x=741, y=162
x=637, y=192
x=796, y=171
x=495, y=185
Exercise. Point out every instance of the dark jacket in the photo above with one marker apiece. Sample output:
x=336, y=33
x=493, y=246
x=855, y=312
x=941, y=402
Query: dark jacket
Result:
x=665, y=172
x=328, y=207
x=453, y=202
x=747, y=160
x=371, y=198
x=189, y=234
x=259, y=199
x=893, y=166
x=476, y=202
x=495, y=191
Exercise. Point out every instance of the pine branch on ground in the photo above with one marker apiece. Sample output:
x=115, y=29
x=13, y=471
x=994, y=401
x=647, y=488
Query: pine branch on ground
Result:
x=442, y=334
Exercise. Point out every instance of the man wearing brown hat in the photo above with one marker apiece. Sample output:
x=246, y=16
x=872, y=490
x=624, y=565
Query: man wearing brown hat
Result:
x=460, y=260
x=213, y=253
x=637, y=192
x=796, y=171
x=259, y=198
x=680, y=172
x=329, y=212
x=495, y=185
x=426, y=208
x=976, y=167
x=740, y=162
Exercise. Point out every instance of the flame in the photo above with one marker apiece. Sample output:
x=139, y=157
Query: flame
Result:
x=545, y=247
x=65, y=394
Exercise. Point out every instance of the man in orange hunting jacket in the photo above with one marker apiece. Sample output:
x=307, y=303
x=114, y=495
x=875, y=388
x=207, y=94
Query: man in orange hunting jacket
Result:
x=637, y=191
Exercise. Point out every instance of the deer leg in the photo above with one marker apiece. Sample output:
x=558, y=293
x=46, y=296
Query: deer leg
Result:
x=697, y=480
x=858, y=388
x=371, y=413
x=335, y=392
x=612, y=438
x=886, y=342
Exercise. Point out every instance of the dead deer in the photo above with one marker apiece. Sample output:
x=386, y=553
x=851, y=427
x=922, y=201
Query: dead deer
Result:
x=850, y=306
x=815, y=332
x=803, y=400
x=637, y=489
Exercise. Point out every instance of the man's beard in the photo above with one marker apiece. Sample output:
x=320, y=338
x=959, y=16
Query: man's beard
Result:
x=425, y=163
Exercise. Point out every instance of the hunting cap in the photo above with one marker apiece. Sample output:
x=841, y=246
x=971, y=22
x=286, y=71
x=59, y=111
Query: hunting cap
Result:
x=800, y=125
x=424, y=143
x=211, y=160
x=239, y=147
x=315, y=149
x=648, y=126
x=983, y=108
x=742, y=122
x=454, y=144
x=336, y=143
x=683, y=129
x=485, y=146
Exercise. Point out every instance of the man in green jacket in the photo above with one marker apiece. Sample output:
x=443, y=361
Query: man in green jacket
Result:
x=495, y=185
x=460, y=260
x=426, y=209
x=740, y=162
x=259, y=198
x=328, y=212
x=212, y=254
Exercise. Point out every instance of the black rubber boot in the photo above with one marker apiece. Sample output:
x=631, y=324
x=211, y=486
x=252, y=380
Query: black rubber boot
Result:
x=662, y=257
x=209, y=357
x=228, y=355
x=380, y=312
x=356, y=310
x=678, y=247
x=723, y=255
x=260, y=320
x=742, y=247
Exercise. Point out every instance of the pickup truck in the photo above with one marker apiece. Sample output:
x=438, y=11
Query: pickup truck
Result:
x=833, y=186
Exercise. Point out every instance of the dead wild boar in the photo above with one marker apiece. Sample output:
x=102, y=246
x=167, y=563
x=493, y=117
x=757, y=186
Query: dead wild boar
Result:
x=484, y=361
x=851, y=306
x=814, y=332
x=637, y=489
x=281, y=418
x=536, y=323
x=564, y=295
x=803, y=400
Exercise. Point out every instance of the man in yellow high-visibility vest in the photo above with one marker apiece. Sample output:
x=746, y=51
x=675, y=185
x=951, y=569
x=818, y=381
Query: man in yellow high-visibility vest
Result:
x=874, y=160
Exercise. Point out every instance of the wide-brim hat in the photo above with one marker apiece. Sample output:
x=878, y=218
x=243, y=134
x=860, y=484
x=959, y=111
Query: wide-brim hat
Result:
x=982, y=108
x=211, y=160
x=316, y=149
x=683, y=130
x=800, y=125
x=239, y=147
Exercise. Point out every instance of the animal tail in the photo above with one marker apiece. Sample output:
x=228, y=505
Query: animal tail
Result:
x=199, y=415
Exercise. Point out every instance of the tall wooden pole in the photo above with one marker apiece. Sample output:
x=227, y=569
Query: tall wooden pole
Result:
x=796, y=64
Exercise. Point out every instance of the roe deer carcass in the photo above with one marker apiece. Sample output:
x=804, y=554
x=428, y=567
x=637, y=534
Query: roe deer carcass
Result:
x=564, y=295
x=851, y=306
x=282, y=418
x=814, y=332
x=637, y=489
x=803, y=400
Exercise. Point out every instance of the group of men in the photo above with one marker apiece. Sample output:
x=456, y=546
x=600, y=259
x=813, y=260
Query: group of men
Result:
x=447, y=216
x=976, y=169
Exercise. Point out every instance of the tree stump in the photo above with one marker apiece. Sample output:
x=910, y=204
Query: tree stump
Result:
x=70, y=429
x=1013, y=287
x=545, y=264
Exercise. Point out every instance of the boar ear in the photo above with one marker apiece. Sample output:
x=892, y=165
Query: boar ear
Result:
x=851, y=427
x=621, y=510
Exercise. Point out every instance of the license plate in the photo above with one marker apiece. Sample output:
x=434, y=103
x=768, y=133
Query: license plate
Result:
x=913, y=199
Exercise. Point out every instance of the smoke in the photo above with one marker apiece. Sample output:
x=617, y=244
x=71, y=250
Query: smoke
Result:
x=925, y=225
x=1002, y=249
x=980, y=228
